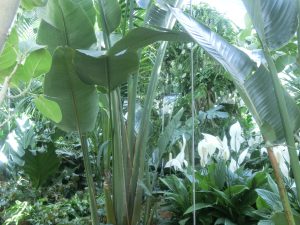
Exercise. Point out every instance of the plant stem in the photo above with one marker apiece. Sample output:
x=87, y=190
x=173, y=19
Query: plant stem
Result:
x=282, y=191
x=89, y=178
x=286, y=123
x=298, y=33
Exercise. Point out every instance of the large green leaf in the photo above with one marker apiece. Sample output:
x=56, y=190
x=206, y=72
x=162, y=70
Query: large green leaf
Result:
x=272, y=199
x=48, y=108
x=8, y=10
x=253, y=83
x=142, y=36
x=66, y=24
x=78, y=101
x=88, y=8
x=110, y=14
x=275, y=21
x=108, y=71
x=40, y=165
x=37, y=63
x=8, y=57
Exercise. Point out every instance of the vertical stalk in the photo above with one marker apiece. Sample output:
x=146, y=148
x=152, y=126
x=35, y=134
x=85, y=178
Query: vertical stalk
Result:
x=89, y=178
x=132, y=91
x=286, y=123
x=298, y=33
x=282, y=191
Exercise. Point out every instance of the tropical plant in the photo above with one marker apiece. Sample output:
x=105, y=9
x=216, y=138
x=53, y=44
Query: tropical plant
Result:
x=252, y=80
x=222, y=196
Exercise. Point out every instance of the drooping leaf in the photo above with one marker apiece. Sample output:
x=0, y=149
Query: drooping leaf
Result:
x=254, y=84
x=231, y=58
x=275, y=21
x=8, y=11
x=141, y=37
x=198, y=206
x=108, y=71
x=78, y=101
x=272, y=199
x=157, y=16
x=48, y=108
x=111, y=14
x=30, y=4
x=68, y=25
x=39, y=166
x=37, y=63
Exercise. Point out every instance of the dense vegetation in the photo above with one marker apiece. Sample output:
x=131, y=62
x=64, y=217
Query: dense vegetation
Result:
x=112, y=113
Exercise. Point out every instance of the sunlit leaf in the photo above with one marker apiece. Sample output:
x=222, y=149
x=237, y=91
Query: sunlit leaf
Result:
x=37, y=63
x=48, y=108
x=141, y=37
x=275, y=21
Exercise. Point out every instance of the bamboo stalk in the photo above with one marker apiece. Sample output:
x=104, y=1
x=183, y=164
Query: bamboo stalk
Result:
x=286, y=123
x=282, y=190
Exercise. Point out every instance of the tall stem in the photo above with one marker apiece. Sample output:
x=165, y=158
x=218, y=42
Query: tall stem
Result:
x=89, y=178
x=286, y=123
x=298, y=33
x=282, y=191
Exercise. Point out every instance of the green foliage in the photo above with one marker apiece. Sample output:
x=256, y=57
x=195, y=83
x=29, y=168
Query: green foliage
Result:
x=111, y=15
x=68, y=24
x=77, y=101
x=221, y=195
x=40, y=165
x=251, y=81
x=30, y=4
x=37, y=63
x=8, y=56
x=108, y=71
x=272, y=30
x=49, y=109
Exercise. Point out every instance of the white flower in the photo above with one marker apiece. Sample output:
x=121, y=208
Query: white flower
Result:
x=225, y=152
x=203, y=152
x=24, y=123
x=12, y=140
x=263, y=150
x=207, y=147
x=242, y=156
x=236, y=139
x=3, y=158
x=282, y=156
x=179, y=159
x=233, y=165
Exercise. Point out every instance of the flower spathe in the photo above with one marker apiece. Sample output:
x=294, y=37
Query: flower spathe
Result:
x=236, y=139
x=179, y=160
x=207, y=147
